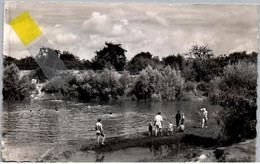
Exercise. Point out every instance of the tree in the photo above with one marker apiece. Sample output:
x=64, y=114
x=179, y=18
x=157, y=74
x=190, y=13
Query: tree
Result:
x=13, y=87
x=201, y=52
x=238, y=94
x=140, y=62
x=174, y=61
x=8, y=60
x=27, y=63
x=70, y=60
x=112, y=55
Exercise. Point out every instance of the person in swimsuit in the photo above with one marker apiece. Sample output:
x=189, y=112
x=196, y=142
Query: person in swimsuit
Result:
x=204, y=118
x=99, y=131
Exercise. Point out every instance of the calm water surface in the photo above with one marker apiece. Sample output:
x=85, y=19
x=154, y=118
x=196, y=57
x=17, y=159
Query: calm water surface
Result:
x=34, y=129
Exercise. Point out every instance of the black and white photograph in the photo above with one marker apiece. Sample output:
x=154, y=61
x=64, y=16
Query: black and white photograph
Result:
x=129, y=82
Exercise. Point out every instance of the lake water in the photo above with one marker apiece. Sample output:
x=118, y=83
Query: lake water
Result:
x=35, y=128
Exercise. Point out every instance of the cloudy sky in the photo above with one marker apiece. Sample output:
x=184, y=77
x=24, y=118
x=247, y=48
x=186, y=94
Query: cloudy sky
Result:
x=161, y=29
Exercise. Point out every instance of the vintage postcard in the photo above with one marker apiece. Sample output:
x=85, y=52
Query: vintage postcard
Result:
x=129, y=82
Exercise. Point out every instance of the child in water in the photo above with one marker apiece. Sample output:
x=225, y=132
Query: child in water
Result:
x=150, y=129
x=170, y=129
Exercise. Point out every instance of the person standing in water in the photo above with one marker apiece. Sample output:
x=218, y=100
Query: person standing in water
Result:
x=99, y=131
x=158, y=123
x=178, y=118
x=204, y=118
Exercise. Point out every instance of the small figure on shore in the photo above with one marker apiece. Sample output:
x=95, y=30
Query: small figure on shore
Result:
x=99, y=131
x=182, y=122
x=170, y=129
x=178, y=118
x=158, y=123
x=150, y=129
x=204, y=118
x=181, y=128
x=110, y=114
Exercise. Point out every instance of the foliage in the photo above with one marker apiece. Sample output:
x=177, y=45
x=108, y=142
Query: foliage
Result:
x=112, y=55
x=71, y=61
x=174, y=61
x=90, y=85
x=166, y=83
x=238, y=95
x=141, y=61
x=14, y=87
x=38, y=74
x=201, y=52
x=190, y=86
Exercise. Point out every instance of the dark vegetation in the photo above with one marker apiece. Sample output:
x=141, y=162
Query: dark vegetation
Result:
x=228, y=80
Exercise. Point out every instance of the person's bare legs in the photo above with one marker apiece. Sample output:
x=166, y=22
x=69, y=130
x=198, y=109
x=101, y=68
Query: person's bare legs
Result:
x=160, y=130
x=97, y=139
x=203, y=120
x=103, y=140
x=156, y=131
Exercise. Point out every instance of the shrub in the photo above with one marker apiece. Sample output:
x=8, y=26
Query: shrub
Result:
x=13, y=87
x=189, y=86
x=238, y=96
x=38, y=74
x=166, y=82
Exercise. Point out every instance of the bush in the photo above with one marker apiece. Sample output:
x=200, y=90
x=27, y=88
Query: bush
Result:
x=214, y=90
x=189, y=86
x=166, y=82
x=13, y=87
x=90, y=85
x=156, y=97
x=238, y=95
x=38, y=74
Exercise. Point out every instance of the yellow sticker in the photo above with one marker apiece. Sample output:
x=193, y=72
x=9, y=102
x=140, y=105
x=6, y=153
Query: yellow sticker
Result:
x=26, y=29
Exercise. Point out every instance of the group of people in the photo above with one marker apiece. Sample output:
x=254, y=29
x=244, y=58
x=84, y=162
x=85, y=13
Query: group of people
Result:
x=180, y=123
x=158, y=120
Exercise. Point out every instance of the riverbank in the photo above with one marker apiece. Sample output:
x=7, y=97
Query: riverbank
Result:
x=196, y=145
x=239, y=152
x=140, y=145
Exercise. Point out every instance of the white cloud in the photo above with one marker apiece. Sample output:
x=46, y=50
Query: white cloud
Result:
x=67, y=38
x=243, y=45
x=155, y=16
x=118, y=29
x=135, y=35
x=97, y=23
x=124, y=21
